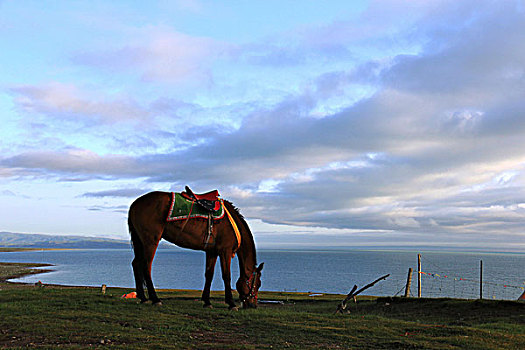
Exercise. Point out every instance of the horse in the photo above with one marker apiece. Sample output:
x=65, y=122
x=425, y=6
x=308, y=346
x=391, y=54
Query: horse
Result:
x=148, y=225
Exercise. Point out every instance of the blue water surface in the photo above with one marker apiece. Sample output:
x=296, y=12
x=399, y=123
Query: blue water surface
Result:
x=446, y=274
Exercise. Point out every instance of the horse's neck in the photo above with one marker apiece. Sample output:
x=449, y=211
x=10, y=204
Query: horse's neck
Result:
x=246, y=254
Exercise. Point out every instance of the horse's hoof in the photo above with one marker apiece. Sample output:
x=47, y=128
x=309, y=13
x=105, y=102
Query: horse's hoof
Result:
x=158, y=303
x=207, y=306
x=233, y=308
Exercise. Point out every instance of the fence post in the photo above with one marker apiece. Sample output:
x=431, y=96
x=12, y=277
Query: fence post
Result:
x=409, y=282
x=481, y=279
x=419, y=275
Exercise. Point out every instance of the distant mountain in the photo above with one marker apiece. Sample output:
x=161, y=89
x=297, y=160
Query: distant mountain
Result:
x=30, y=240
x=24, y=240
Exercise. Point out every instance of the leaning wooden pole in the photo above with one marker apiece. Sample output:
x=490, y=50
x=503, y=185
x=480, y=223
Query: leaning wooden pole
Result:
x=409, y=282
x=419, y=275
x=341, y=308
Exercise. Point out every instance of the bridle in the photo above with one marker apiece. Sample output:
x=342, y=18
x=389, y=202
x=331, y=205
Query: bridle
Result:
x=250, y=283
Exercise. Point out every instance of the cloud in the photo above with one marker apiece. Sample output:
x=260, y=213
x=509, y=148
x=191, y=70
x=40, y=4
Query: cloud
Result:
x=123, y=192
x=382, y=30
x=71, y=162
x=462, y=59
x=159, y=53
x=60, y=116
x=7, y=193
x=121, y=209
x=67, y=102
x=435, y=146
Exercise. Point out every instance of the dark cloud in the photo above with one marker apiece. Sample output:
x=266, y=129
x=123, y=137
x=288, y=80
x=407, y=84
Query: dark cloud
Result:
x=72, y=162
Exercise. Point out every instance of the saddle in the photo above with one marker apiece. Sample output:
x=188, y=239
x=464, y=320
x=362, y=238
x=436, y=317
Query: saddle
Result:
x=208, y=201
x=213, y=208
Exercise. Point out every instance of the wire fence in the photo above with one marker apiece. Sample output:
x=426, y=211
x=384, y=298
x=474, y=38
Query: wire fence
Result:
x=469, y=283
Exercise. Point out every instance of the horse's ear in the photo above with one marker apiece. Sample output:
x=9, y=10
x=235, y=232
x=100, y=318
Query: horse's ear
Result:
x=260, y=267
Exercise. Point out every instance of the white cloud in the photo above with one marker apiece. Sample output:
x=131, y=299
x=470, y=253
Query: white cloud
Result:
x=159, y=53
x=68, y=102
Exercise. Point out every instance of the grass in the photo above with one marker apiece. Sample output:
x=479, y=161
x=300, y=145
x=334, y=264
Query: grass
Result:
x=54, y=316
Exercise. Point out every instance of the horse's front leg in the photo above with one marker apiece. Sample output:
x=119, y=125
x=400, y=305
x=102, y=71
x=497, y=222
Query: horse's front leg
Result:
x=211, y=259
x=226, y=259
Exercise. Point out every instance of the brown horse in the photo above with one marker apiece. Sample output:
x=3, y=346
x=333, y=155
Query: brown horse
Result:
x=148, y=225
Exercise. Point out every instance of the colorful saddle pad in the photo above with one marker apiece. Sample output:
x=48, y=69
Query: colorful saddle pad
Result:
x=182, y=208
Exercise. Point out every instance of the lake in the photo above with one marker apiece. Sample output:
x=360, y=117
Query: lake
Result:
x=445, y=274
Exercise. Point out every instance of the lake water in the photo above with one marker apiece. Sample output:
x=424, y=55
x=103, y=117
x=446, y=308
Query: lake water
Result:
x=446, y=274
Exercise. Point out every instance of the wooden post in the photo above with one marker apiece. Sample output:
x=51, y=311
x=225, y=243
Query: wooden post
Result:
x=409, y=282
x=419, y=275
x=481, y=279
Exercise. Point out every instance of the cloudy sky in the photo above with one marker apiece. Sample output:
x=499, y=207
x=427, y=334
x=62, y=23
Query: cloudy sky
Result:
x=346, y=123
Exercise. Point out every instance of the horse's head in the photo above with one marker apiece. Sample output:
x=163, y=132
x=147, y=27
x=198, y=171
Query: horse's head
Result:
x=249, y=288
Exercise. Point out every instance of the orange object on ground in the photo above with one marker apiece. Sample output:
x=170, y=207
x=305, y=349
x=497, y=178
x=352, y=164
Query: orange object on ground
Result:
x=130, y=295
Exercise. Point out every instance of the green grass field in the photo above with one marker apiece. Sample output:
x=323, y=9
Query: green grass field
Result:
x=52, y=316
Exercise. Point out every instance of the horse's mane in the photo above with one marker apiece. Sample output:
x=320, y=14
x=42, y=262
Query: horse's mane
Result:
x=237, y=210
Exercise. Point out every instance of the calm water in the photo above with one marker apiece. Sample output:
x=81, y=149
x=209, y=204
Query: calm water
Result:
x=315, y=272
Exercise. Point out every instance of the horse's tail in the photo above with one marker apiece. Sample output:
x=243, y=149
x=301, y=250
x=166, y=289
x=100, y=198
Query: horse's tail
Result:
x=136, y=243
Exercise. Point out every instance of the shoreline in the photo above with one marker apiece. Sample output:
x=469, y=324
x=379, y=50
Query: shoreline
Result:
x=11, y=250
x=16, y=270
x=24, y=269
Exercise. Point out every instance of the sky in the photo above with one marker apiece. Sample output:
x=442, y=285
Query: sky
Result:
x=343, y=123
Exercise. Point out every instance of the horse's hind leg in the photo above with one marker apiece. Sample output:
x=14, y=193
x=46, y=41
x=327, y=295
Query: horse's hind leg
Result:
x=138, y=272
x=148, y=257
x=144, y=246
x=138, y=262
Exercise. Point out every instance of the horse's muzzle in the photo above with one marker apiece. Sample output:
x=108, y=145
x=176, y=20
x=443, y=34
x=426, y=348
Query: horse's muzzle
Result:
x=249, y=305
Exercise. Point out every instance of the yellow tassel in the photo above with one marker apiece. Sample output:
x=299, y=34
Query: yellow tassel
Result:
x=235, y=228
